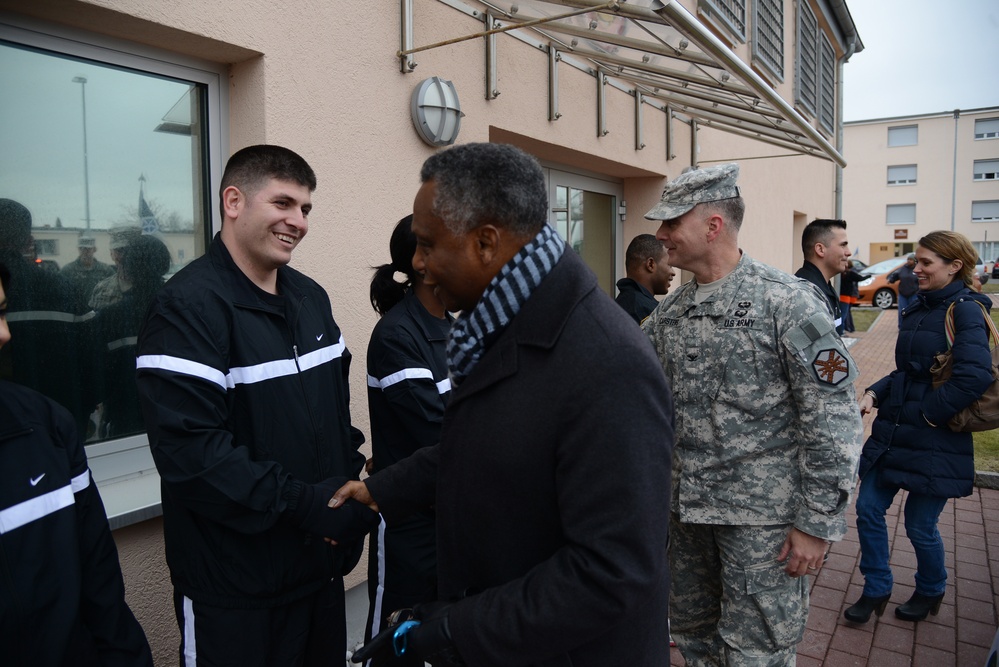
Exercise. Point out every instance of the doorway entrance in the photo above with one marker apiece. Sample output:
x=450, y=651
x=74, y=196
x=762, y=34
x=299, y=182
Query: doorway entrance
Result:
x=584, y=211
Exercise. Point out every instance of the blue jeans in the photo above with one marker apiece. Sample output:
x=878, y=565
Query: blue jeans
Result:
x=921, y=514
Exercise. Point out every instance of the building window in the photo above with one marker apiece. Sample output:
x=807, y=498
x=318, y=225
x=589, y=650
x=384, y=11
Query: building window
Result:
x=827, y=84
x=905, y=135
x=47, y=247
x=986, y=170
x=768, y=36
x=808, y=58
x=987, y=128
x=901, y=214
x=904, y=174
x=117, y=151
x=731, y=12
x=985, y=211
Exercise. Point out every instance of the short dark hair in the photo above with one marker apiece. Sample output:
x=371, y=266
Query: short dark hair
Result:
x=249, y=168
x=15, y=225
x=4, y=277
x=488, y=183
x=819, y=230
x=640, y=249
x=732, y=210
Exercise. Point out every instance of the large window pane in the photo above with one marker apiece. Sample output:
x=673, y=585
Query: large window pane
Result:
x=906, y=135
x=903, y=174
x=105, y=195
x=901, y=214
x=987, y=128
x=986, y=170
x=984, y=211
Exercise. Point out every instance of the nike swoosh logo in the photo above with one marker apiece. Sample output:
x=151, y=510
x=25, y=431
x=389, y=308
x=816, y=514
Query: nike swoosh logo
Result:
x=320, y=336
x=34, y=480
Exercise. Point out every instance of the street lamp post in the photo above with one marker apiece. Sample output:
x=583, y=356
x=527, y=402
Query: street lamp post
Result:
x=82, y=80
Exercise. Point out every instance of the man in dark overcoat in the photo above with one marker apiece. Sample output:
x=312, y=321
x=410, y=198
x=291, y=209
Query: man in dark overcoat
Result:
x=552, y=478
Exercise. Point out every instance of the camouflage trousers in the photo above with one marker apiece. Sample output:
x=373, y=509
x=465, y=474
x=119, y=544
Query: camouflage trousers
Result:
x=731, y=603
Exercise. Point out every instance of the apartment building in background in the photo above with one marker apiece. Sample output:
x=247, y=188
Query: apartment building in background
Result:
x=911, y=175
x=119, y=103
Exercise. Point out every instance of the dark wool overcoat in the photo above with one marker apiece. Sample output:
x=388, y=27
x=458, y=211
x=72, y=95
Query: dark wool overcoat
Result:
x=552, y=487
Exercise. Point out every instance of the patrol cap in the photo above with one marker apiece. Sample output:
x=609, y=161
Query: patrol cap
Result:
x=122, y=236
x=86, y=242
x=697, y=186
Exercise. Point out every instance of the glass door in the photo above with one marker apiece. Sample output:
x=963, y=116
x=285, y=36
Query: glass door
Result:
x=584, y=212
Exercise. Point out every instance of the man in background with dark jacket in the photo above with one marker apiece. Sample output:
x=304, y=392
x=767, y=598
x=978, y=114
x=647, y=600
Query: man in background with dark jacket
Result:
x=62, y=597
x=908, y=283
x=827, y=254
x=242, y=379
x=649, y=274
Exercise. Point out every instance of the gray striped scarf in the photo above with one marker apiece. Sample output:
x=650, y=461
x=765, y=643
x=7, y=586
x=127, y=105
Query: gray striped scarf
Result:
x=473, y=333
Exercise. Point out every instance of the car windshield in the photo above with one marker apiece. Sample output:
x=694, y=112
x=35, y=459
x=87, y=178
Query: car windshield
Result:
x=884, y=266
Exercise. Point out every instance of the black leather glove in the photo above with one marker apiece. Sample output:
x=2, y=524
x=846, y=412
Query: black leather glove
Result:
x=307, y=509
x=431, y=639
x=424, y=636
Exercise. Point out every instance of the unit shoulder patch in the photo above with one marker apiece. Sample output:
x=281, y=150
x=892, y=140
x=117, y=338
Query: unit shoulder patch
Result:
x=831, y=366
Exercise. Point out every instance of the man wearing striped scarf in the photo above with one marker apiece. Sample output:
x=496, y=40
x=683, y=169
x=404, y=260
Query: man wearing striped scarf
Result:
x=551, y=480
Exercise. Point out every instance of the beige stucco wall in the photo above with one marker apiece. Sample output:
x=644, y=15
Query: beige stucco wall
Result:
x=322, y=78
x=147, y=586
x=945, y=187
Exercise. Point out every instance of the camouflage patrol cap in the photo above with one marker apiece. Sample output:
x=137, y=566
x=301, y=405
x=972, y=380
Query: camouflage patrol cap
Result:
x=122, y=236
x=697, y=186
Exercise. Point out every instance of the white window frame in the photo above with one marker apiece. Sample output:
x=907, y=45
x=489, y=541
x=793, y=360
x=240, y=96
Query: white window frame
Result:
x=123, y=468
x=986, y=170
x=899, y=208
x=986, y=128
x=902, y=181
x=897, y=131
x=990, y=215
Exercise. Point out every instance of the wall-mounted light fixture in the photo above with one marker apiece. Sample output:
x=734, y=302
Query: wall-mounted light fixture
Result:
x=436, y=111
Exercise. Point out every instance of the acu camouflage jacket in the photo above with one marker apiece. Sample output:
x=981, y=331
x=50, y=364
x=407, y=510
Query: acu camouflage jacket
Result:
x=767, y=425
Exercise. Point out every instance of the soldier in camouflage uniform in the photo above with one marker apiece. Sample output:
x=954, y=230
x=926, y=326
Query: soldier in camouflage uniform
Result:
x=767, y=432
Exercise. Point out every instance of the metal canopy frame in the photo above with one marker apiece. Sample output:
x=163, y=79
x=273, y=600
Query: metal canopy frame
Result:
x=658, y=53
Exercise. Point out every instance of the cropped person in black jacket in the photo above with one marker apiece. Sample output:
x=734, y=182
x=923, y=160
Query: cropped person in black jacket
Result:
x=62, y=597
x=408, y=387
x=911, y=446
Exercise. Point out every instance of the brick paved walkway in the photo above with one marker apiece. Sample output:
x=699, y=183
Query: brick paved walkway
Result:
x=962, y=632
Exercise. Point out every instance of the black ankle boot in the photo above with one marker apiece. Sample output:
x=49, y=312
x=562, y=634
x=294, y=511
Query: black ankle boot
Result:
x=918, y=607
x=860, y=611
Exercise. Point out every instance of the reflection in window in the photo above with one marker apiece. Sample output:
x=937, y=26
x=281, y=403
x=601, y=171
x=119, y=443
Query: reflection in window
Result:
x=102, y=197
x=586, y=221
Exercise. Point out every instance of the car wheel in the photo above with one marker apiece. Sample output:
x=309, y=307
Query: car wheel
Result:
x=884, y=299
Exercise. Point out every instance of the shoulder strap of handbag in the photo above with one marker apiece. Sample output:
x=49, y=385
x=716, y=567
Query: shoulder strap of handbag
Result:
x=949, y=325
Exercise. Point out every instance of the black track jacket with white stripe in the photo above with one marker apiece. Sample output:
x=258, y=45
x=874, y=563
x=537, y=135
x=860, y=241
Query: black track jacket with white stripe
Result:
x=62, y=598
x=242, y=391
x=408, y=383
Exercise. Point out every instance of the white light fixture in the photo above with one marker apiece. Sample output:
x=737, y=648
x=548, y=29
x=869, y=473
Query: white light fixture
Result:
x=436, y=111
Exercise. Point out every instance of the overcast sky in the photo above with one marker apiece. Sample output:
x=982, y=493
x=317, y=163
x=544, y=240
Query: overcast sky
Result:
x=922, y=56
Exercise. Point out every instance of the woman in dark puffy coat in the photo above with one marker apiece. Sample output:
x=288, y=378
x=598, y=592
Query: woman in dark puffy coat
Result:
x=910, y=446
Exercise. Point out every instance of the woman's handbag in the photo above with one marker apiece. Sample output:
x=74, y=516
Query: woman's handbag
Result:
x=983, y=414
